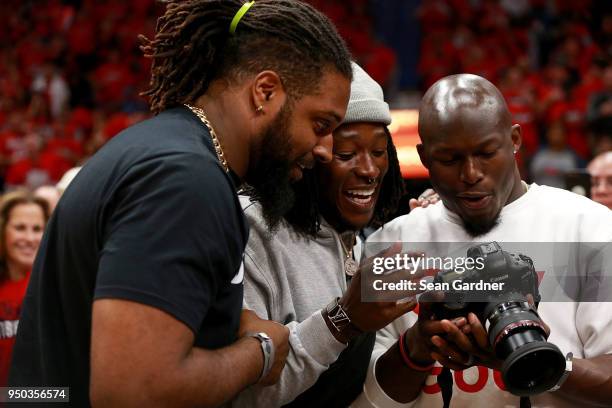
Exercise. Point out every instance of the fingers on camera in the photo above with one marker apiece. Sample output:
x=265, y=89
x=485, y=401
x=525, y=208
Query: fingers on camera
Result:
x=447, y=362
x=478, y=332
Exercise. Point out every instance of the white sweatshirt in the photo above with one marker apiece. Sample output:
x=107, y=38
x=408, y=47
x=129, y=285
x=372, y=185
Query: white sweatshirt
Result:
x=543, y=214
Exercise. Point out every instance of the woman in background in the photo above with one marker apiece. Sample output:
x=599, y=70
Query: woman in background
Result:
x=22, y=222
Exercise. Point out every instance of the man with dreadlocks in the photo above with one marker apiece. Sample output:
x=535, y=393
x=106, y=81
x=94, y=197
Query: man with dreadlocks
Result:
x=136, y=296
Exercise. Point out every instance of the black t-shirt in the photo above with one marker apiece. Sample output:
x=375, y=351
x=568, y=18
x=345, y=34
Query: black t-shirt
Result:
x=151, y=218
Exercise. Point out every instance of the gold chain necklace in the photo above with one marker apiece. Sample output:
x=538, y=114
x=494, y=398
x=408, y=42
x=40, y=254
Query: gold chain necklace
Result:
x=350, y=265
x=218, y=149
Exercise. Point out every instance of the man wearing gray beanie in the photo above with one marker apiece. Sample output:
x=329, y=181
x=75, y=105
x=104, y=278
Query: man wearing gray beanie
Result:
x=300, y=274
x=366, y=103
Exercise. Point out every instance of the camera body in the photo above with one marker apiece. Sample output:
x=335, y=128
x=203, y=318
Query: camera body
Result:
x=515, y=331
x=514, y=273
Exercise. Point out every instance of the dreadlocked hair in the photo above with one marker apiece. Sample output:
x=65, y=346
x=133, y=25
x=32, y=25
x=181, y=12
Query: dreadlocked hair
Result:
x=304, y=216
x=392, y=189
x=193, y=47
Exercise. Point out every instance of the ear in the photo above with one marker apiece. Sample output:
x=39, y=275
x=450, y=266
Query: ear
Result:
x=517, y=137
x=423, y=155
x=268, y=93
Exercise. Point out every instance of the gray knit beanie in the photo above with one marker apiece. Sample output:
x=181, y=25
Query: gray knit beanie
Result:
x=367, y=102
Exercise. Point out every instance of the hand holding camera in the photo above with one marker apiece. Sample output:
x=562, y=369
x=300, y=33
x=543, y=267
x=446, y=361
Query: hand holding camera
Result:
x=463, y=346
x=515, y=339
x=422, y=340
x=472, y=338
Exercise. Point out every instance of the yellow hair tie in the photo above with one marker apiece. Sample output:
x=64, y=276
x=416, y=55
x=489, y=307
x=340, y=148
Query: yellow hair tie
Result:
x=239, y=14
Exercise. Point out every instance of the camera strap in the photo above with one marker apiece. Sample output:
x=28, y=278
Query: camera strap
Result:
x=525, y=402
x=445, y=381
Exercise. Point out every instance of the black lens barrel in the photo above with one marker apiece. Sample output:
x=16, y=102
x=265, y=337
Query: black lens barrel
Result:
x=531, y=364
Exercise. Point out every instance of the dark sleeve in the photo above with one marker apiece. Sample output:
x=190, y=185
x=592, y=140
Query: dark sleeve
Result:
x=173, y=237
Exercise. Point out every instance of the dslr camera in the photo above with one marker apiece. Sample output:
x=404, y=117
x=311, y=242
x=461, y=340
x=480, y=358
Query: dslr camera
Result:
x=531, y=364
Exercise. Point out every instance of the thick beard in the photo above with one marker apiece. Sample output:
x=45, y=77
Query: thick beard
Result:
x=478, y=229
x=270, y=178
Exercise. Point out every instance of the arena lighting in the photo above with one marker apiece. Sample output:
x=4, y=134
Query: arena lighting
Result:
x=406, y=137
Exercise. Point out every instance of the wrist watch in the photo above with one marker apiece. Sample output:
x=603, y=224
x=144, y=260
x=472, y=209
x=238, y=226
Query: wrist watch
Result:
x=566, y=373
x=267, y=347
x=340, y=321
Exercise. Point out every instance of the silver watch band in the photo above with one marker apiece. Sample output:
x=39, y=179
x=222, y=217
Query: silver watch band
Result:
x=566, y=373
x=267, y=348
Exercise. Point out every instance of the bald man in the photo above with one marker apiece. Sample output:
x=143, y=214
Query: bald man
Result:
x=468, y=144
x=600, y=169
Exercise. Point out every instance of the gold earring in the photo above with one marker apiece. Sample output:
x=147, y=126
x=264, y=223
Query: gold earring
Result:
x=259, y=109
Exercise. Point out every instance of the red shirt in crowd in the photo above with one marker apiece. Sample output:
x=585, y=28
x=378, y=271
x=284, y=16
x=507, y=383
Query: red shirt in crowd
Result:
x=11, y=298
x=49, y=168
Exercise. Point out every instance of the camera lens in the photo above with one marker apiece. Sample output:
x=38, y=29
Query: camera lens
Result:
x=531, y=364
x=533, y=368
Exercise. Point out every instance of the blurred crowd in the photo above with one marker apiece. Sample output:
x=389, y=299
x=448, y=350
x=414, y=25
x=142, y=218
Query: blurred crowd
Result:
x=551, y=60
x=71, y=73
x=355, y=24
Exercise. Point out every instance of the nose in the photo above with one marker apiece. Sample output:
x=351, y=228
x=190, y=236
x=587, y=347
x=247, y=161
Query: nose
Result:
x=31, y=235
x=471, y=173
x=324, y=148
x=366, y=167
